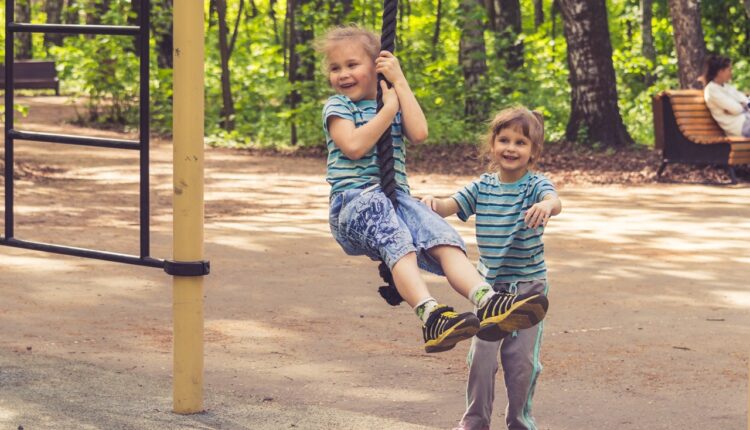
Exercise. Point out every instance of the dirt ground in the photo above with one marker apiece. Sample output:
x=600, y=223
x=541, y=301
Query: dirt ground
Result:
x=648, y=321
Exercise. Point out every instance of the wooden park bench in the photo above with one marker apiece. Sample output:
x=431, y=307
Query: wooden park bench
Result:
x=33, y=75
x=686, y=132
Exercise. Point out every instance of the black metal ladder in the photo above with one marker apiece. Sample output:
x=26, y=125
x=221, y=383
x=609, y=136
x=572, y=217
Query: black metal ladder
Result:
x=141, y=32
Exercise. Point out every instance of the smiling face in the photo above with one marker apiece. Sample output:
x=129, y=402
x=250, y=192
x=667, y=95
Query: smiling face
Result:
x=511, y=151
x=351, y=71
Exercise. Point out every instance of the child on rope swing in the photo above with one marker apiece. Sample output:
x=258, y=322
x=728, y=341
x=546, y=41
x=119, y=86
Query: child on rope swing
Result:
x=363, y=220
x=512, y=205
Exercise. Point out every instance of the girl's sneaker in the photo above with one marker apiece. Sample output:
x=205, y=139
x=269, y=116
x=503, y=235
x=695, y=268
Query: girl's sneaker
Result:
x=445, y=328
x=505, y=313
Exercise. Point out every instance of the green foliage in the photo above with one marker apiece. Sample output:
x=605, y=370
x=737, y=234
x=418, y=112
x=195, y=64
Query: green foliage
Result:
x=105, y=69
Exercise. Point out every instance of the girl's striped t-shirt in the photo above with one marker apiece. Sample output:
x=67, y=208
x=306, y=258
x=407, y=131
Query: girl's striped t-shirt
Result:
x=344, y=173
x=509, y=251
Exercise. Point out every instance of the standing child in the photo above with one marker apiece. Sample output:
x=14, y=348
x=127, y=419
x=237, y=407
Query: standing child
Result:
x=363, y=220
x=512, y=207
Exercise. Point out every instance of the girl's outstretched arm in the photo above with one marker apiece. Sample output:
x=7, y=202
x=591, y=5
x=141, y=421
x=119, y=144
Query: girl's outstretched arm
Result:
x=356, y=142
x=443, y=207
x=414, y=121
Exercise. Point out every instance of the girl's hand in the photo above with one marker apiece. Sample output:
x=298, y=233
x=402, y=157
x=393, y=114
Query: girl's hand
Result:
x=390, y=98
x=431, y=202
x=538, y=215
x=389, y=66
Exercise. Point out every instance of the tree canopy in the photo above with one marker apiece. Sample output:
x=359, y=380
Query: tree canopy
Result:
x=265, y=86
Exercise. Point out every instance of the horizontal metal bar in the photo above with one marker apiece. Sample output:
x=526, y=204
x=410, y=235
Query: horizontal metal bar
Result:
x=83, y=252
x=74, y=140
x=122, y=30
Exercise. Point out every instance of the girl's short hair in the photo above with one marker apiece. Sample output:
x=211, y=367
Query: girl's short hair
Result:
x=370, y=40
x=714, y=65
x=529, y=123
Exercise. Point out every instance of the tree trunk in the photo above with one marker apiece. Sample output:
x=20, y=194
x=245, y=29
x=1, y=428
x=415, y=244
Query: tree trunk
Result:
x=492, y=7
x=340, y=11
x=747, y=8
x=555, y=13
x=594, y=108
x=293, y=62
x=539, y=13
x=95, y=9
x=509, y=47
x=472, y=55
x=688, y=39
x=235, y=32
x=272, y=14
x=288, y=18
x=301, y=62
x=23, y=47
x=162, y=31
x=647, y=37
x=53, y=9
x=436, y=33
x=227, y=110
x=70, y=13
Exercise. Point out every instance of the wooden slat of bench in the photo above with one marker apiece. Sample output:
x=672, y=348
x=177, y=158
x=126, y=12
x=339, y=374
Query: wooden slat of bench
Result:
x=692, y=107
x=684, y=93
x=706, y=134
x=692, y=114
x=701, y=129
x=739, y=159
x=707, y=140
x=706, y=137
x=697, y=121
x=681, y=94
x=32, y=81
x=688, y=100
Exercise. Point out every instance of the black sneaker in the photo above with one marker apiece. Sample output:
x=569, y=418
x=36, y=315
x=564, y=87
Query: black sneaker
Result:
x=445, y=328
x=504, y=313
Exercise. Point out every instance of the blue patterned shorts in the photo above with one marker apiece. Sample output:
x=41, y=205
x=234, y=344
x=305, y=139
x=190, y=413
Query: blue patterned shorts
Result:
x=364, y=223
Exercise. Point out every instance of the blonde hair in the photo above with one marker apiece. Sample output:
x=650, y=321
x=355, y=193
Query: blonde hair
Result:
x=529, y=123
x=369, y=40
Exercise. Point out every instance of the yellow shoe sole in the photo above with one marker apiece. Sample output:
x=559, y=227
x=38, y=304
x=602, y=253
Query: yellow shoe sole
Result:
x=451, y=337
x=523, y=314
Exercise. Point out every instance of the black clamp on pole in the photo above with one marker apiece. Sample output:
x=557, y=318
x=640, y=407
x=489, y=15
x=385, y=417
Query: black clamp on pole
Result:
x=187, y=268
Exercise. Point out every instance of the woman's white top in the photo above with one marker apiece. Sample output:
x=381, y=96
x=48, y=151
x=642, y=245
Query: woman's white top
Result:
x=727, y=105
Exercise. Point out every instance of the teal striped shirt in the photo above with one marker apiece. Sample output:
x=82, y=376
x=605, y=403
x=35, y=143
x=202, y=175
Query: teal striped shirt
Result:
x=508, y=250
x=344, y=173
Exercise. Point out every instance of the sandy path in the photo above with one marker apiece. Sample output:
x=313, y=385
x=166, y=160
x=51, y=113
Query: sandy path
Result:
x=648, y=324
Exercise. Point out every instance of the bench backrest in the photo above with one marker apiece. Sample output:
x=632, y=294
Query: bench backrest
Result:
x=693, y=117
x=24, y=70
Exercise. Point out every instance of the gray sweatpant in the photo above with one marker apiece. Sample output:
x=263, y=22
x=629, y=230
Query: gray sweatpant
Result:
x=519, y=356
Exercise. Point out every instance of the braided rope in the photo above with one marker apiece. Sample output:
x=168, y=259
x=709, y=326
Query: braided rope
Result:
x=385, y=146
x=385, y=143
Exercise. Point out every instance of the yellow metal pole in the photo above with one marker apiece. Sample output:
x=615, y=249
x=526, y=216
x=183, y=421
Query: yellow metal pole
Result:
x=188, y=204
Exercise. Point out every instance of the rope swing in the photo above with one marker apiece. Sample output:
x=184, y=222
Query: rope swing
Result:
x=385, y=147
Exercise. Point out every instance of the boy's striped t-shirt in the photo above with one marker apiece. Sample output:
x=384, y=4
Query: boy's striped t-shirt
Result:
x=509, y=251
x=344, y=173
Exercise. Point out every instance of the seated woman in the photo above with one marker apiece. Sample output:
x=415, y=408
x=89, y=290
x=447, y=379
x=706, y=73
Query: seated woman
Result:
x=728, y=106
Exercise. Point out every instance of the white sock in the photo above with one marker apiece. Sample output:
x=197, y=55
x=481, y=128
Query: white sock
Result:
x=480, y=294
x=424, y=308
